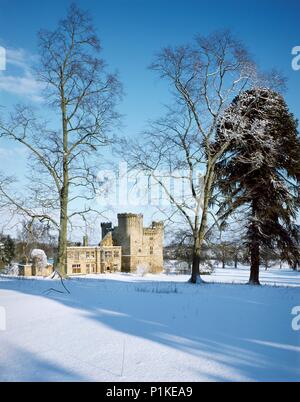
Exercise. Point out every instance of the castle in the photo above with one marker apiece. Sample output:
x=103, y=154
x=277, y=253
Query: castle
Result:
x=123, y=249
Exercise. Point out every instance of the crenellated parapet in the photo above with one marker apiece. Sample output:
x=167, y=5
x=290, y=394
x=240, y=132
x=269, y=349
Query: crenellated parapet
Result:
x=155, y=229
x=130, y=219
x=158, y=226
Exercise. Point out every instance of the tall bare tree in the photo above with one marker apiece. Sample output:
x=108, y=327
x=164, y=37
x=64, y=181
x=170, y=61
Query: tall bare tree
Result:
x=81, y=97
x=204, y=78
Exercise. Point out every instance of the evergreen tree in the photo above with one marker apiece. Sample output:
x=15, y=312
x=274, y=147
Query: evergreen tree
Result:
x=7, y=250
x=260, y=173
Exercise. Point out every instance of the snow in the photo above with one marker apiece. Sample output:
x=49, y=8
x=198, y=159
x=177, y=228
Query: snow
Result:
x=123, y=327
x=40, y=259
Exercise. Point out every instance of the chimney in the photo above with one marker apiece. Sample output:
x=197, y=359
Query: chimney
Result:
x=85, y=241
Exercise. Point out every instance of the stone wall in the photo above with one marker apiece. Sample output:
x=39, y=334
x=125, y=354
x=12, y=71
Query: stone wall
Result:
x=30, y=270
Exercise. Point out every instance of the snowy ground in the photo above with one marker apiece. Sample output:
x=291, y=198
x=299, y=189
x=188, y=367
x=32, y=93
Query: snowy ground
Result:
x=156, y=328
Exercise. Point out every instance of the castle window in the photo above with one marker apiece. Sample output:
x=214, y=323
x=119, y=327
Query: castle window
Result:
x=151, y=250
x=93, y=268
x=93, y=254
x=140, y=250
x=87, y=254
x=116, y=254
x=76, y=268
x=76, y=255
x=108, y=254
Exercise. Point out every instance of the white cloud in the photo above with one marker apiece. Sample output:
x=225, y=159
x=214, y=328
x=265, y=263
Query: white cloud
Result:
x=22, y=86
x=8, y=153
x=18, y=78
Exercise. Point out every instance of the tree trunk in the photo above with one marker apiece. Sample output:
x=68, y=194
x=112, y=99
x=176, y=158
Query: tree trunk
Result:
x=209, y=177
x=61, y=264
x=196, y=278
x=255, y=261
x=196, y=267
x=64, y=194
x=254, y=250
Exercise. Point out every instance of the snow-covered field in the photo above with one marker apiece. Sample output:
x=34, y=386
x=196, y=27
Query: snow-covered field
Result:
x=152, y=328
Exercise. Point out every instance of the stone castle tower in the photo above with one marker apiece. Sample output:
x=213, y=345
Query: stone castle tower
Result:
x=106, y=227
x=140, y=246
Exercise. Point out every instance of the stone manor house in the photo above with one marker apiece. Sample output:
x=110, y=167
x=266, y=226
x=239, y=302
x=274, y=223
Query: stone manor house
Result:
x=123, y=249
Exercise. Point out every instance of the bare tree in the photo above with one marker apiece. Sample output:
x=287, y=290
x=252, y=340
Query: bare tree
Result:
x=204, y=78
x=34, y=235
x=81, y=97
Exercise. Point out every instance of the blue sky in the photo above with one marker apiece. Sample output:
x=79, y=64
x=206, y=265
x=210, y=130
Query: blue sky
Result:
x=132, y=31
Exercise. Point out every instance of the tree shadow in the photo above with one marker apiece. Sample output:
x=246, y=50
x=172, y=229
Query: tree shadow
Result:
x=211, y=331
x=29, y=367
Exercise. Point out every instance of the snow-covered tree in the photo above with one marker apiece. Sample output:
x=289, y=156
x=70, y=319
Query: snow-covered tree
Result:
x=260, y=173
x=39, y=260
